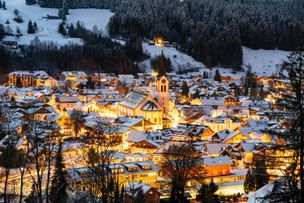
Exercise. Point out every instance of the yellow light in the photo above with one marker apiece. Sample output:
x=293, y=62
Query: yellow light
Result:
x=154, y=74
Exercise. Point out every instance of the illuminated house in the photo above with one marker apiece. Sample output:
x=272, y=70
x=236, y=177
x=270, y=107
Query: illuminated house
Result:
x=74, y=75
x=145, y=172
x=141, y=104
x=138, y=142
x=151, y=194
x=222, y=124
x=64, y=102
x=216, y=166
x=102, y=107
x=28, y=78
x=229, y=136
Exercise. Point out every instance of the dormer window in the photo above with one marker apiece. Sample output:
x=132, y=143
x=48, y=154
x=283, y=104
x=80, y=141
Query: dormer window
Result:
x=132, y=169
x=146, y=167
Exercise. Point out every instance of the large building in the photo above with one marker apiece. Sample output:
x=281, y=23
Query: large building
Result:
x=27, y=78
x=152, y=108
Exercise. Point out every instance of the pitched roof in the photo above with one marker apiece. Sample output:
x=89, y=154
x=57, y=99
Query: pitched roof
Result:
x=68, y=99
x=214, y=161
x=150, y=106
x=133, y=99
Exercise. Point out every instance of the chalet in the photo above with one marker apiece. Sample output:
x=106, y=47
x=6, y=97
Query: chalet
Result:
x=151, y=194
x=73, y=75
x=145, y=172
x=65, y=102
x=219, y=124
x=216, y=166
x=229, y=136
x=27, y=78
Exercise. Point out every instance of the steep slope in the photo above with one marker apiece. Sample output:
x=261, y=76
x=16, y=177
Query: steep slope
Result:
x=47, y=29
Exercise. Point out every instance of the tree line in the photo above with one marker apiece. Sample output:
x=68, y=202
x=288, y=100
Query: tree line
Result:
x=103, y=4
x=214, y=31
x=97, y=53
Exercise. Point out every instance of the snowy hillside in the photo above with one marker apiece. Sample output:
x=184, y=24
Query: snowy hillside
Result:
x=180, y=61
x=264, y=62
x=47, y=29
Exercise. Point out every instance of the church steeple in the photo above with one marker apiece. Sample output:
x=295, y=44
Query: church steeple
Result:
x=162, y=89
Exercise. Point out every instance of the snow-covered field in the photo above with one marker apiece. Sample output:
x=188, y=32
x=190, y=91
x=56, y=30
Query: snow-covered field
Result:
x=264, y=62
x=47, y=29
x=180, y=61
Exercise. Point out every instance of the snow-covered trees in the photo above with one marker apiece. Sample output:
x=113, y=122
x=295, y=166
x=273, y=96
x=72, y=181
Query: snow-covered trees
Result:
x=217, y=76
x=105, y=4
x=30, y=27
x=61, y=29
x=161, y=64
x=30, y=2
x=214, y=31
x=59, y=186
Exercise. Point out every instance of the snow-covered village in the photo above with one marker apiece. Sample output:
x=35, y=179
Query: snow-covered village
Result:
x=151, y=101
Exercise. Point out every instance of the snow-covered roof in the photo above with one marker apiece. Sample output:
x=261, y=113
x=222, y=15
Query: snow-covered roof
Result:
x=133, y=99
x=68, y=99
x=136, y=136
x=150, y=106
x=214, y=161
x=133, y=187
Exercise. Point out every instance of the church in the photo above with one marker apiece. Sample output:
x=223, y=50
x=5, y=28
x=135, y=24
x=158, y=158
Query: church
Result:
x=153, y=107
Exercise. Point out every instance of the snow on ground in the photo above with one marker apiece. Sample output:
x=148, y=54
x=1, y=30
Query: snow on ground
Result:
x=180, y=61
x=264, y=62
x=47, y=29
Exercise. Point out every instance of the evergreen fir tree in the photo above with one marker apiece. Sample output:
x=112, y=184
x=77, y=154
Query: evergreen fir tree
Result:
x=35, y=27
x=30, y=2
x=2, y=31
x=262, y=93
x=19, y=83
x=65, y=7
x=30, y=27
x=134, y=47
x=71, y=31
x=260, y=172
x=61, y=29
x=161, y=64
x=185, y=89
x=196, y=94
x=217, y=76
x=139, y=196
x=249, y=182
x=4, y=5
x=206, y=192
x=90, y=84
x=58, y=193
x=32, y=198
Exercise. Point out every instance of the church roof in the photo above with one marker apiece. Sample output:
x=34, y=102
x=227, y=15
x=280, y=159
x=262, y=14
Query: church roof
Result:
x=133, y=99
x=150, y=106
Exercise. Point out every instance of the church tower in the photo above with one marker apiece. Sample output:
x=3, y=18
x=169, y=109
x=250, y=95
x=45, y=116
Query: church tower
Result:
x=162, y=89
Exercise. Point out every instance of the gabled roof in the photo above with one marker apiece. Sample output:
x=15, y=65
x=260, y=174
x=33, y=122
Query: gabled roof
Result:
x=214, y=161
x=135, y=186
x=68, y=99
x=150, y=106
x=136, y=136
x=133, y=99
